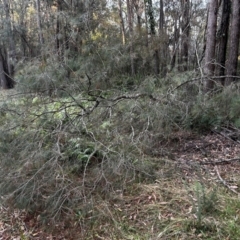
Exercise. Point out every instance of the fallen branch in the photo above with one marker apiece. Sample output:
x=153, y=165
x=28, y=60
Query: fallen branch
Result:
x=224, y=182
x=220, y=162
x=139, y=95
x=229, y=135
x=133, y=96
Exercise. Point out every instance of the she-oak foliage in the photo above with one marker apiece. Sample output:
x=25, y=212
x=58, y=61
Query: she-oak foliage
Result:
x=99, y=86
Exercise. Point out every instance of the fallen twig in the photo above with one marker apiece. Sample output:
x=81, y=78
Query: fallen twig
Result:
x=220, y=162
x=224, y=182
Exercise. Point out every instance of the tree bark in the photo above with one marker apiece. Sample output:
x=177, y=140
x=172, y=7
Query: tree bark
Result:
x=222, y=40
x=210, y=45
x=40, y=34
x=232, y=61
x=122, y=25
x=6, y=82
x=3, y=78
x=130, y=26
x=161, y=16
x=11, y=58
x=59, y=36
x=139, y=10
x=164, y=46
x=175, y=43
x=185, y=25
x=153, y=34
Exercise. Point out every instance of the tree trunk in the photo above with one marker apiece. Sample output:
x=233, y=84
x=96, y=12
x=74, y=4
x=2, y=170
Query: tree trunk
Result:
x=59, y=36
x=130, y=25
x=185, y=33
x=122, y=25
x=139, y=10
x=232, y=61
x=151, y=17
x=3, y=78
x=6, y=81
x=164, y=46
x=40, y=34
x=222, y=40
x=175, y=43
x=153, y=34
x=161, y=16
x=11, y=58
x=210, y=45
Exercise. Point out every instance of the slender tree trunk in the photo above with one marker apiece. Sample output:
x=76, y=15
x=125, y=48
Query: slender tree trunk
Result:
x=130, y=26
x=164, y=46
x=146, y=23
x=58, y=34
x=222, y=40
x=232, y=61
x=151, y=17
x=122, y=25
x=3, y=79
x=153, y=34
x=185, y=33
x=6, y=81
x=139, y=24
x=161, y=16
x=40, y=34
x=175, y=43
x=139, y=10
x=11, y=48
x=24, y=46
x=210, y=45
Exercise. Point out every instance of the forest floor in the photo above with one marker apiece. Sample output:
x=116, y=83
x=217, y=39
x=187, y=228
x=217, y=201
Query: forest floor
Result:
x=169, y=208
x=194, y=195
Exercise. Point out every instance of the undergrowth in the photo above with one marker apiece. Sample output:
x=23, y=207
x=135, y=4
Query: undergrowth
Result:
x=95, y=156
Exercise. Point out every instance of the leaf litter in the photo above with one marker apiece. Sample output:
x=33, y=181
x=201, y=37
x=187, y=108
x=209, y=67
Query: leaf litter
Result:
x=150, y=210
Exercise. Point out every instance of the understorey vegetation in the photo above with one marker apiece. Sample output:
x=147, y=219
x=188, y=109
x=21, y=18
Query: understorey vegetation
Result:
x=106, y=159
x=119, y=119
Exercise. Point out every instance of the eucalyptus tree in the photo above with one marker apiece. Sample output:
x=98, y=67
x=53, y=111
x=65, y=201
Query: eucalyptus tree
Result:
x=222, y=42
x=172, y=14
x=130, y=27
x=222, y=39
x=152, y=26
x=185, y=29
x=7, y=48
x=163, y=38
x=232, y=59
x=39, y=22
x=210, y=45
x=122, y=24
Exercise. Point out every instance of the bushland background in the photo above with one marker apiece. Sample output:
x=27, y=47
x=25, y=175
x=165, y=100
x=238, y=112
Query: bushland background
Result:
x=119, y=119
